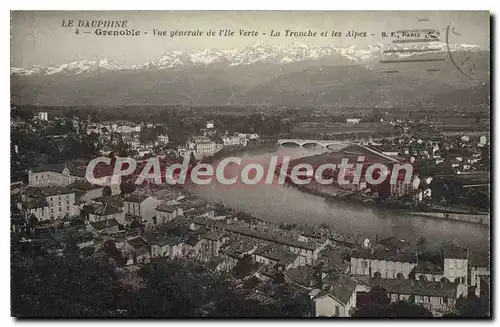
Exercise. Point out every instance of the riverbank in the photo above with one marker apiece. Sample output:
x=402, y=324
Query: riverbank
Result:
x=472, y=218
x=261, y=145
x=332, y=192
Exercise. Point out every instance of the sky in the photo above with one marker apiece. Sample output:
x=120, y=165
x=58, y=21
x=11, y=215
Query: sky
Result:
x=38, y=38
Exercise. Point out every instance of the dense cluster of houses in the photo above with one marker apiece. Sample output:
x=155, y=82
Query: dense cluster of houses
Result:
x=165, y=222
x=333, y=271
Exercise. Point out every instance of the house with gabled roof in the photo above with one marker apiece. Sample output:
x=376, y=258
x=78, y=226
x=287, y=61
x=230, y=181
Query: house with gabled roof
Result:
x=166, y=212
x=339, y=300
x=141, y=208
x=85, y=192
x=97, y=211
x=135, y=250
x=439, y=297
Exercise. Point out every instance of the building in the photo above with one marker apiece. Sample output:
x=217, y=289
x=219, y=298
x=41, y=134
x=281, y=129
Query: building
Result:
x=202, y=146
x=455, y=263
x=483, y=286
x=134, y=250
x=428, y=271
x=85, y=192
x=61, y=202
x=56, y=174
x=310, y=251
x=127, y=129
x=479, y=265
x=163, y=139
x=353, y=120
x=280, y=258
x=437, y=297
x=104, y=211
x=42, y=115
x=108, y=226
x=166, y=212
x=235, y=140
x=37, y=207
x=141, y=208
x=201, y=212
x=166, y=246
x=93, y=129
x=401, y=188
x=337, y=301
x=382, y=263
x=214, y=240
x=49, y=203
x=74, y=235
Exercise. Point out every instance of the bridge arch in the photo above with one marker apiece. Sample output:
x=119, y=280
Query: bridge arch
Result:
x=290, y=143
x=331, y=144
x=312, y=143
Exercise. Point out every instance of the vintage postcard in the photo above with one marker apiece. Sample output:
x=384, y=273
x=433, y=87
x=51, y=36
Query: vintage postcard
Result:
x=250, y=164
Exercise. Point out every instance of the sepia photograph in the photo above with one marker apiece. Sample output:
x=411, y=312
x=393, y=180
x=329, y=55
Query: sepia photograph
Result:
x=250, y=164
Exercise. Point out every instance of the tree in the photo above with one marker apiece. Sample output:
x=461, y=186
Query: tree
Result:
x=106, y=191
x=372, y=304
x=403, y=309
x=471, y=307
x=484, y=162
x=192, y=160
x=60, y=286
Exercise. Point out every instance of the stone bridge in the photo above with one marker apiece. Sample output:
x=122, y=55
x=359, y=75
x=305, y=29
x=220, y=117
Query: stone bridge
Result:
x=323, y=143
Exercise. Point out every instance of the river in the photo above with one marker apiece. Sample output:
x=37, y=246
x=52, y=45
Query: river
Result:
x=281, y=203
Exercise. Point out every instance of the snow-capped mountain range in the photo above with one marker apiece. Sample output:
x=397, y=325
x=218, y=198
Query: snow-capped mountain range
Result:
x=252, y=54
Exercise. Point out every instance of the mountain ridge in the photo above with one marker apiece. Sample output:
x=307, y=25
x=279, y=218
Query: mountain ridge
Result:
x=258, y=52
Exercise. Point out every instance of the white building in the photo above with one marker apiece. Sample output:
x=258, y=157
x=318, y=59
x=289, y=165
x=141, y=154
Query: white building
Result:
x=234, y=140
x=202, y=146
x=163, y=139
x=50, y=203
x=126, y=129
x=353, y=120
x=42, y=115
x=385, y=264
x=401, y=188
x=338, y=301
x=455, y=263
x=141, y=208
x=55, y=175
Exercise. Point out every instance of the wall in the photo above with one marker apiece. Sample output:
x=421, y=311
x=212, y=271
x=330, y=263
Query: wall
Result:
x=455, y=268
x=148, y=211
x=326, y=307
x=159, y=251
x=473, y=218
x=475, y=272
x=40, y=213
x=429, y=277
x=62, y=205
x=387, y=269
x=50, y=178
